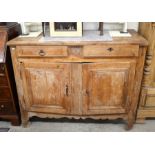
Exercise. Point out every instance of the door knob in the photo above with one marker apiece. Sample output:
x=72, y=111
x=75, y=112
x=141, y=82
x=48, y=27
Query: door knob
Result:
x=2, y=106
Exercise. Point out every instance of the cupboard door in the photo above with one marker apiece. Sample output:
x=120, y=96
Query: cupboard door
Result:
x=46, y=87
x=107, y=87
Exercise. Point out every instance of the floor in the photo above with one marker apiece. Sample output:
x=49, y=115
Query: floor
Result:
x=61, y=125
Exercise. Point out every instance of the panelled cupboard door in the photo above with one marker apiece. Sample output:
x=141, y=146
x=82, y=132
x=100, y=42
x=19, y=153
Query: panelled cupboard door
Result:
x=46, y=87
x=107, y=86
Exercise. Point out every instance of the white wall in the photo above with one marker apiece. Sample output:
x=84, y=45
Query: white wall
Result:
x=111, y=26
x=35, y=26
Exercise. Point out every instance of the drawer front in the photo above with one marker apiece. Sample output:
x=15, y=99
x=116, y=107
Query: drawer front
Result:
x=2, y=70
x=111, y=51
x=42, y=51
x=6, y=108
x=150, y=97
x=3, y=81
x=150, y=101
x=5, y=93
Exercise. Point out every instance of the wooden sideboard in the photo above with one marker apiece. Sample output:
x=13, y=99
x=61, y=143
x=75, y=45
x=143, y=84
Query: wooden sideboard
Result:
x=9, y=107
x=147, y=98
x=79, y=79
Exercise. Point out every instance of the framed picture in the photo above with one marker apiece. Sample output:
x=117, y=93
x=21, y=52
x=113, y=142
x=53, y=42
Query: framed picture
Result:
x=66, y=29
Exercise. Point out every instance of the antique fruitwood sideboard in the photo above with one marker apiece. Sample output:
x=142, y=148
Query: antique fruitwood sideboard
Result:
x=79, y=79
x=147, y=97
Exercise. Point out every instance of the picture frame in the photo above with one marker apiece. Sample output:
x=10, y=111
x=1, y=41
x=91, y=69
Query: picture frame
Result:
x=66, y=29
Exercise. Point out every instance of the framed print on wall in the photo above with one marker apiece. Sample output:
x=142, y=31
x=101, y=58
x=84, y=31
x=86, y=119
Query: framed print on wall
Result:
x=66, y=29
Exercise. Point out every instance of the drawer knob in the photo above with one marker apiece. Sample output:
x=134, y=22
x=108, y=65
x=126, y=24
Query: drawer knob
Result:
x=42, y=53
x=2, y=106
x=1, y=75
x=110, y=49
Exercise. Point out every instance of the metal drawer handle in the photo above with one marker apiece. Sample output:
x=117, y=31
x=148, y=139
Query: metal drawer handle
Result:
x=110, y=49
x=2, y=106
x=1, y=75
x=42, y=53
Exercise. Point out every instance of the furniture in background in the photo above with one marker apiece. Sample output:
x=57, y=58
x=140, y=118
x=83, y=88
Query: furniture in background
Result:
x=79, y=79
x=147, y=97
x=9, y=108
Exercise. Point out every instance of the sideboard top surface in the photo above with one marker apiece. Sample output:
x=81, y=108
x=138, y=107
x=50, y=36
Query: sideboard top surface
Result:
x=134, y=39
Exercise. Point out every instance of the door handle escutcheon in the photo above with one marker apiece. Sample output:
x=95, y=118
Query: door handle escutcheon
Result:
x=66, y=90
x=110, y=49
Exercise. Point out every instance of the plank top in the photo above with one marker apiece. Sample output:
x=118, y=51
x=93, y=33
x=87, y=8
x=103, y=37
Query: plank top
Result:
x=134, y=39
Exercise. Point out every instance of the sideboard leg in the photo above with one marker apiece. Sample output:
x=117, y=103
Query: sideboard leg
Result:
x=129, y=125
x=25, y=123
x=25, y=119
x=15, y=122
x=130, y=121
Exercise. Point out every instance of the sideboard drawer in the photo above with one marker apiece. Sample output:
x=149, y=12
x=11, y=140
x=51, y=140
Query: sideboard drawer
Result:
x=5, y=93
x=42, y=51
x=110, y=51
x=3, y=80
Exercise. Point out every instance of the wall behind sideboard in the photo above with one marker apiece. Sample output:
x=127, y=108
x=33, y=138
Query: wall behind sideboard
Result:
x=36, y=26
x=111, y=25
